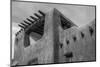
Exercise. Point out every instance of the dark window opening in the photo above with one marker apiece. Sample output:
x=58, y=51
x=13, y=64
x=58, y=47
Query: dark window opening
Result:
x=67, y=41
x=74, y=38
x=61, y=45
x=82, y=35
x=68, y=55
x=91, y=30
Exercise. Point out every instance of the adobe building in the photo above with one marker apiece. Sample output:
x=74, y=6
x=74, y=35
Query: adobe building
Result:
x=57, y=40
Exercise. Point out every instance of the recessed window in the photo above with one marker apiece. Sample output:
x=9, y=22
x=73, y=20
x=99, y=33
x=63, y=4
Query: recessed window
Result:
x=82, y=35
x=91, y=30
x=61, y=45
x=67, y=42
x=74, y=38
x=68, y=55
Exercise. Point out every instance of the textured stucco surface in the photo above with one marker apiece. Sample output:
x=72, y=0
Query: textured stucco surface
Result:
x=83, y=49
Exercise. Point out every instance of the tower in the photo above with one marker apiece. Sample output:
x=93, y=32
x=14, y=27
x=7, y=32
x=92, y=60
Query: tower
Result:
x=46, y=31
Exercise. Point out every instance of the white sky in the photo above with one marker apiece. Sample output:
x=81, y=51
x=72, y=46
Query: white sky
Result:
x=78, y=14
